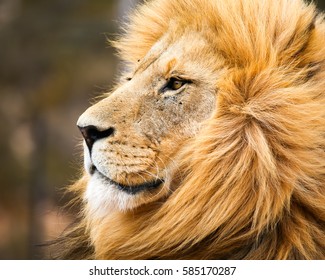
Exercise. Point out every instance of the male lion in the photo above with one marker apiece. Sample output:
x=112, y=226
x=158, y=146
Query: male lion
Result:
x=213, y=144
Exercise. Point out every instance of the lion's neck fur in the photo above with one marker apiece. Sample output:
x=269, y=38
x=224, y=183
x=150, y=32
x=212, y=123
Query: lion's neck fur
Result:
x=253, y=179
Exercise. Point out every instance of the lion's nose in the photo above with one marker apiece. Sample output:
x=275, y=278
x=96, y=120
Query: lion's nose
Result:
x=91, y=134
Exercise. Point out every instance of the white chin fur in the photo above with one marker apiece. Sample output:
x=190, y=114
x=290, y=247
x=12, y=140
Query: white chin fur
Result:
x=103, y=197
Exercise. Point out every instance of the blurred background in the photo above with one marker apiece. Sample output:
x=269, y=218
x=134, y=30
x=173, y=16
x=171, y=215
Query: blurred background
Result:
x=54, y=60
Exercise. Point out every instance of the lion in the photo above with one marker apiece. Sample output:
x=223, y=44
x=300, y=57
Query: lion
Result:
x=212, y=144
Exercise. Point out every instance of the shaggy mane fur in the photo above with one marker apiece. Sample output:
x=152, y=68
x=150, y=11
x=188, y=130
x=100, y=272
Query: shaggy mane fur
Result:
x=251, y=184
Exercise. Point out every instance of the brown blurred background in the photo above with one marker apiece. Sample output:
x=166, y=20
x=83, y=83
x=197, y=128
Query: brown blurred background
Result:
x=54, y=60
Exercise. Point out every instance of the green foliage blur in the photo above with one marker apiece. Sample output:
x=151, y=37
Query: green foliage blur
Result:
x=54, y=60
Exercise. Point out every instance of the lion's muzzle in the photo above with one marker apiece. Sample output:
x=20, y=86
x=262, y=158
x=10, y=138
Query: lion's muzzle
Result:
x=91, y=134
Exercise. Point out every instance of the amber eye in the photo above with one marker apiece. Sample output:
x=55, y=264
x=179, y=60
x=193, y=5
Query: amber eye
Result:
x=175, y=84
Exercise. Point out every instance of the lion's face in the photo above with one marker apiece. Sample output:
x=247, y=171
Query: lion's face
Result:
x=133, y=136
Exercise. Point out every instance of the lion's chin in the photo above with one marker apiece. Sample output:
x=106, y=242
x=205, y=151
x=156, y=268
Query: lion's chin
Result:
x=104, y=195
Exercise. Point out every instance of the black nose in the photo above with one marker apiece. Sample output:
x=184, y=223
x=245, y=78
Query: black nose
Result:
x=91, y=133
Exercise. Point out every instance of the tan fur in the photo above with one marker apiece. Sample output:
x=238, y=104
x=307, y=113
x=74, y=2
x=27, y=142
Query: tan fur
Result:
x=249, y=184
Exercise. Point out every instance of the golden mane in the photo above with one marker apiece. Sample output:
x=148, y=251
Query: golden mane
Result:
x=251, y=185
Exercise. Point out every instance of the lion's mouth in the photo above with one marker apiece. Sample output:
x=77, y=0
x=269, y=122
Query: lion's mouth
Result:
x=131, y=189
x=134, y=189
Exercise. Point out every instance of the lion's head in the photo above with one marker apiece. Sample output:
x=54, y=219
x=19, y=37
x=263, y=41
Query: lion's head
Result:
x=133, y=136
x=212, y=144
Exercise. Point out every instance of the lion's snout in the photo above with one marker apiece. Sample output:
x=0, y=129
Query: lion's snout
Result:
x=92, y=133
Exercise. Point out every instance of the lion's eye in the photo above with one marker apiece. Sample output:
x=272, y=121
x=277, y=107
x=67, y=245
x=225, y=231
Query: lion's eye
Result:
x=175, y=84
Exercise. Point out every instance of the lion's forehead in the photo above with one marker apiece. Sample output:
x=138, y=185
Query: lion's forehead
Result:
x=181, y=53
